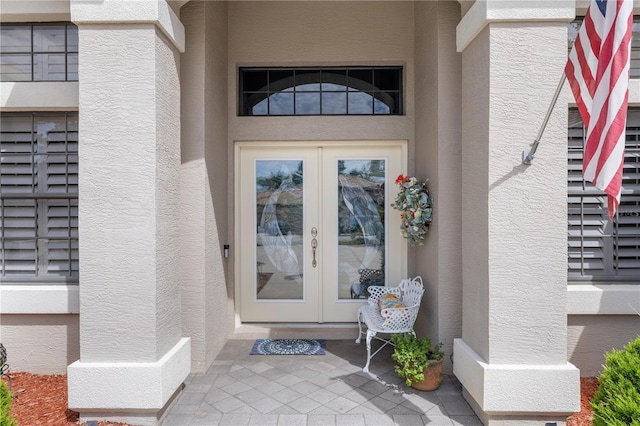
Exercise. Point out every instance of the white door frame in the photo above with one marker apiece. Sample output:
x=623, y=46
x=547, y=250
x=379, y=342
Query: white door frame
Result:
x=238, y=145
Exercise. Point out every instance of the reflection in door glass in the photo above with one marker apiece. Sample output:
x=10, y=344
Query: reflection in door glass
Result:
x=279, y=223
x=361, y=209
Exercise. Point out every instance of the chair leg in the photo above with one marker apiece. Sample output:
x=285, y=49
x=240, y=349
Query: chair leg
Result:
x=359, y=327
x=370, y=335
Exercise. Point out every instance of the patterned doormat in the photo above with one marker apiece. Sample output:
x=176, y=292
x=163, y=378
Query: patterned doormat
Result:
x=289, y=347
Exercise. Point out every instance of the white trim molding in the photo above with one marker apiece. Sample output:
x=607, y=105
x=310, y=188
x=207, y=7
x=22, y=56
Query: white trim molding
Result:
x=157, y=12
x=35, y=11
x=117, y=386
x=507, y=389
x=605, y=299
x=484, y=12
x=39, y=96
x=39, y=299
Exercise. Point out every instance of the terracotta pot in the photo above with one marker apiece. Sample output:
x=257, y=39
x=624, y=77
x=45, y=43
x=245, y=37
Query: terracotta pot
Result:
x=432, y=378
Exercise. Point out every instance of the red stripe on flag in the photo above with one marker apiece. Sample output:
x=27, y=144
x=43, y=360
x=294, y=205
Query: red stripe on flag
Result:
x=593, y=36
x=585, y=71
x=575, y=88
x=608, y=99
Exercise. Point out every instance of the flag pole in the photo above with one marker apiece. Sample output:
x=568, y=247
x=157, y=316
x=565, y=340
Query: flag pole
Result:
x=527, y=154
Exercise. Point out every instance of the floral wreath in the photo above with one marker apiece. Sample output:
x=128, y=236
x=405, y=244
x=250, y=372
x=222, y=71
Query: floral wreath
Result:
x=416, y=207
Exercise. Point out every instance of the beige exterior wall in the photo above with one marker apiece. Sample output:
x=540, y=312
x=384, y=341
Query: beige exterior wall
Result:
x=40, y=344
x=326, y=33
x=475, y=188
x=438, y=159
x=590, y=336
x=206, y=300
x=489, y=204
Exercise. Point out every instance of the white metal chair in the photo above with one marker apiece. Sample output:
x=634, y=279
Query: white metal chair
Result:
x=392, y=320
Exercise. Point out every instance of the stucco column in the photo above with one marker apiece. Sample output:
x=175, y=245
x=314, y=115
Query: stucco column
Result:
x=132, y=356
x=206, y=305
x=512, y=357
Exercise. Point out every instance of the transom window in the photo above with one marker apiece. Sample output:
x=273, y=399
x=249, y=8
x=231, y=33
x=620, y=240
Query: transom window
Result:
x=39, y=197
x=601, y=249
x=321, y=91
x=39, y=52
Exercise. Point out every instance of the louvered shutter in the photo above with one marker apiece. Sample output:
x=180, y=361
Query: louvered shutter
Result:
x=600, y=249
x=627, y=243
x=19, y=216
x=39, y=187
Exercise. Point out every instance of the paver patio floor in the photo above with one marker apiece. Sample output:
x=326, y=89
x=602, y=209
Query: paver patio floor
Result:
x=323, y=390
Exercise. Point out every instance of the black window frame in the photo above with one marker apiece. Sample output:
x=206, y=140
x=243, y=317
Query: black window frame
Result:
x=67, y=52
x=295, y=92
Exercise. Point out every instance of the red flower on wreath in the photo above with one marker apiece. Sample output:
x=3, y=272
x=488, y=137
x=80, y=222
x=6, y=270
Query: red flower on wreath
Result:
x=402, y=179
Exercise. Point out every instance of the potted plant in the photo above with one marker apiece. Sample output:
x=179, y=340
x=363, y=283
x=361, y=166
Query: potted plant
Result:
x=418, y=361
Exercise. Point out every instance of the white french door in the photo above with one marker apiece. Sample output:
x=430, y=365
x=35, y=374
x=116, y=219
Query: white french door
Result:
x=313, y=219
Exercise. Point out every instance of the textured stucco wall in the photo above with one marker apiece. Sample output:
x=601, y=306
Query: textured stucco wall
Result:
x=438, y=158
x=527, y=216
x=192, y=212
x=129, y=136
x=475, y=187
x=316, y=34
x=219, y=290
x=40, y=344
x=117, y=148
x=503, y=200
x=203, y=180
x=590, y=336
x=168, y=310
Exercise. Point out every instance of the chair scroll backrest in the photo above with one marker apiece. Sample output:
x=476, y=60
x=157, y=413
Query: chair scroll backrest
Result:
x=412, y=291
x=376, y=292
x=401, y=320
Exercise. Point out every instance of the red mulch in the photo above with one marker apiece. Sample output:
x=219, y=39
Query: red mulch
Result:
x=588, y=387
x=42, y=400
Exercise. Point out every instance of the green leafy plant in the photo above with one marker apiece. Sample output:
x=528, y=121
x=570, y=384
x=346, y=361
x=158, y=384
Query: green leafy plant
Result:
x=5, y=406
x=413, y=354
x=617, y=400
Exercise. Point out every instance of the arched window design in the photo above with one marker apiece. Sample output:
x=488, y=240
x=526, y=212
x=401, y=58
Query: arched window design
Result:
x=321, y=91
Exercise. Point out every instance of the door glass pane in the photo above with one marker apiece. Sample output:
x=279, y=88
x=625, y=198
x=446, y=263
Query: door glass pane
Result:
x=279, y=250
x=361, y=209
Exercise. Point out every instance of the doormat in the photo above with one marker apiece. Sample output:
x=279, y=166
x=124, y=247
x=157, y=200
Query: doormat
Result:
x=289, y=347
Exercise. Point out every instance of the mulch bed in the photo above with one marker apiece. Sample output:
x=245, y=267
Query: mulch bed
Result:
x=42, y=400
x=588, y=387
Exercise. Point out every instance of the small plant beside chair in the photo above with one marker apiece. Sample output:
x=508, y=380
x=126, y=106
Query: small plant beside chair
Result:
x=418, y=361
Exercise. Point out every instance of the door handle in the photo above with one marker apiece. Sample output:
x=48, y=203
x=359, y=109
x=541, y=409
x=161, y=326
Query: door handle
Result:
x=314, y=245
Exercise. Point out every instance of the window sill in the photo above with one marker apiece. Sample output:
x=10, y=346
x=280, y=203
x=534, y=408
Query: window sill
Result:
x=39, y=299
x=603, y=299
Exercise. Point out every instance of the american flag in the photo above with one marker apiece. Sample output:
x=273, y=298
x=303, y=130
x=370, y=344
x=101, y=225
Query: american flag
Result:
x=598, y=73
